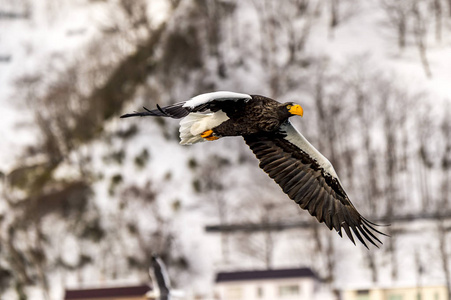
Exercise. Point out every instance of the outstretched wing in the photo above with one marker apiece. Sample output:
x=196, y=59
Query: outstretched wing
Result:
x=209, y=101
x=309, y=179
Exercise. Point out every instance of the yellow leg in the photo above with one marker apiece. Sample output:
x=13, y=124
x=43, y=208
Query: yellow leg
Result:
x=208, y=135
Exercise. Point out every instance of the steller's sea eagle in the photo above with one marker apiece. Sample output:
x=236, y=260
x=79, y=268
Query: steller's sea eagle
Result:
x=302, y=172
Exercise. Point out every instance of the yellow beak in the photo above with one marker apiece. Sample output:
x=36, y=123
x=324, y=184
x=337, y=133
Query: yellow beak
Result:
x=296, y=110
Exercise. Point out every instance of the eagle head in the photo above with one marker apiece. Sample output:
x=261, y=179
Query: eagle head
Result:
x=290, y=109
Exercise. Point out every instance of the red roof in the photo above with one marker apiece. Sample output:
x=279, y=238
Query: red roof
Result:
x=265, y=274
x=127, y=291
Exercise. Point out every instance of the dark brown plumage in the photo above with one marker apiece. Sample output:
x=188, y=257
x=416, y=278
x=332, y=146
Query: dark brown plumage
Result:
x=305, y=182
x=303, y=173
x=260, y=114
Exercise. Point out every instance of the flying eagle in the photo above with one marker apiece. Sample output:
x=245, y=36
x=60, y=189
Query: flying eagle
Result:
x=302, y=172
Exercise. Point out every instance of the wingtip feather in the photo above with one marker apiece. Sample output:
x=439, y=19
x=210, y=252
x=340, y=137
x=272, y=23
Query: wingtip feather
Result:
x=130, y=115
x=357, y=234
x=348, y=232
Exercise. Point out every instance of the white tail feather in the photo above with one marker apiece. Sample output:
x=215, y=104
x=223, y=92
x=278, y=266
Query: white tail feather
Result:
x=186, y=137
x=192, y=126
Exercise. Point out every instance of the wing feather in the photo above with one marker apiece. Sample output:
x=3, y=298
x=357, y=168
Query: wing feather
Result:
x=201, y=99
x=312, y=184
x=370, y=233
x=280, y=169
x=300, y=177
x=175, y=111
x=286, y=177
x=199, y=103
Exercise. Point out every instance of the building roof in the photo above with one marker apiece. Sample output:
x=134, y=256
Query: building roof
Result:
x=127, y=291
x=265, y=274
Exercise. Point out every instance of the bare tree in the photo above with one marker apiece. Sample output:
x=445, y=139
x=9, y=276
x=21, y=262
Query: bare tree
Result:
x=209, y=182
x=442, y=231
x=341, y=11
x=419, y=272
x=334, y=18
x=420, y=31
x=284, y=29
x=438, y=15
x=424, y=161
x=446, y=160
x=445, y=195
x=397, y=13
x=366, y=110
x=258, y=246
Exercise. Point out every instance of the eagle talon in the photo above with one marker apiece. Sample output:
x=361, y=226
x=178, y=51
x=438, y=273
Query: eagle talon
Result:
x=208, y=135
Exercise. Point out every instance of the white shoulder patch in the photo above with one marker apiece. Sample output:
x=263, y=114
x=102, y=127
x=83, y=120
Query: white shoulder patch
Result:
x=220, y=96
x=297, y=139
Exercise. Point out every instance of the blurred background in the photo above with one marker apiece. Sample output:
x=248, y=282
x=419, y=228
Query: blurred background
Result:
x=87, y=198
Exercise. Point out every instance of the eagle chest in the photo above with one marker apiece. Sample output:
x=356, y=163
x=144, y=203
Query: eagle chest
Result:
x=251, y=120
